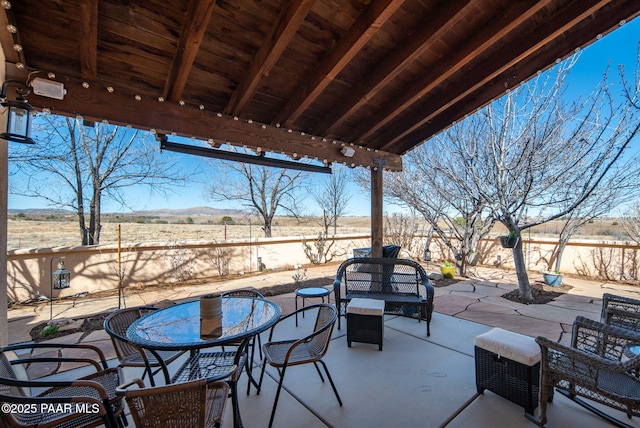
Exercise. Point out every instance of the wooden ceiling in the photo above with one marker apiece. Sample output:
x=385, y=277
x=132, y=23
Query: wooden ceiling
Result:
x=300, y=77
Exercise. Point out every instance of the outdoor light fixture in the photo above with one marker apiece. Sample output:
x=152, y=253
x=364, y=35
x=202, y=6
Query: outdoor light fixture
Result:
x=60, y=279
x=348, y=151
x=19, y=113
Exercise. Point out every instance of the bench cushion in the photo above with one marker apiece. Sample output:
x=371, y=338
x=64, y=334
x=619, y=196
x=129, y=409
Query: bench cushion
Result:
x=507, y=344
x=362, y=306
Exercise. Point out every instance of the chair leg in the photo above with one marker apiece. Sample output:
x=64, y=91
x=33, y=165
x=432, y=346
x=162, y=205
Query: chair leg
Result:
x=318, y=370
x=264, y=365
x=275, y=403
x=335, y=391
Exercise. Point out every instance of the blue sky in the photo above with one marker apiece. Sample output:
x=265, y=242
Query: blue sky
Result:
x=618, y=47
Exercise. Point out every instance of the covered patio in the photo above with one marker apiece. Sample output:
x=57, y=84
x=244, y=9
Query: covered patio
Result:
x=318, y=81
x=415, y=381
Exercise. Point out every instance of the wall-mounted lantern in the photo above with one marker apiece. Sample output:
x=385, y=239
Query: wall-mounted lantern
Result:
x=60, y=279
x=19, y=113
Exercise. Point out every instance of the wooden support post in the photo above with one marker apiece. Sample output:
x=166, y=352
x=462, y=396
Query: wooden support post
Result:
x=376, y=209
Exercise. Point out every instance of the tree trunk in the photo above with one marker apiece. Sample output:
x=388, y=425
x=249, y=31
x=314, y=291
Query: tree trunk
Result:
x=562, y=244
x=521, y=271
x=266, y=227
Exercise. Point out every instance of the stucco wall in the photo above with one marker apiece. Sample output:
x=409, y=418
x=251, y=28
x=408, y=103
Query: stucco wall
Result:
x=96, y=268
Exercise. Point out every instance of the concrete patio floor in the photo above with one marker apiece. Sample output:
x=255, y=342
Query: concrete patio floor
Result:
x=415, y=381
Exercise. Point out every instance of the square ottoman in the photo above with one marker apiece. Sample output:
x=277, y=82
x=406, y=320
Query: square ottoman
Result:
x=365, y=321
x=508, y=364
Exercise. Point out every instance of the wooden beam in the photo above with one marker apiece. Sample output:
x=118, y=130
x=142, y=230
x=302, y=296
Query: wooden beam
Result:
x=602, y=24
x=408, y=50
x=7, y=39
x=95, y=103
x=507, y=21
x=193, y=30
x=89, y=39
x=498, y=64
x=370, y=21
x=289, y=20
x=377, y=229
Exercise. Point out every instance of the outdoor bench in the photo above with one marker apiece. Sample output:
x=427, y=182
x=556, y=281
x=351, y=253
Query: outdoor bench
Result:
x=401, y=283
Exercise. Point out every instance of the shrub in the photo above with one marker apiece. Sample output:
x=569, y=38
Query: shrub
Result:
x=49, y=330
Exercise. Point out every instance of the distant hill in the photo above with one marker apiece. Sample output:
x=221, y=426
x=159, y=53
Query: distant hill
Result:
x=39, y=211
x=194, y=211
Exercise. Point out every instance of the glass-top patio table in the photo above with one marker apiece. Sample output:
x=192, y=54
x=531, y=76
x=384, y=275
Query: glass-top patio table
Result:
x=178, y=328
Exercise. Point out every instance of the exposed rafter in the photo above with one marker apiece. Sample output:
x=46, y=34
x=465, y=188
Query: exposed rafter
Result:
x=413, y=47
x=498, y=65
x=289, y=21
x=377, y=13
x=516, y=14
x=89, y=39
x=192, y=33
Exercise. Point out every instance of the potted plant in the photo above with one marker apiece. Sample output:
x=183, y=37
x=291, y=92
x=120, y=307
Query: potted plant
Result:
x=510, y=240
x=552, y=278
x=448, y=270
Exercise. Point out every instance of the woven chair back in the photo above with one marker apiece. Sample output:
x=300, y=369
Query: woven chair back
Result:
x=118, y=324
x=244, y=292
x=172, y=406
x=325, y=319
x=7, y=372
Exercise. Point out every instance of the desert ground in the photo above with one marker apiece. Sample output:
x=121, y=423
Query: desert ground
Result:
x=44, y=231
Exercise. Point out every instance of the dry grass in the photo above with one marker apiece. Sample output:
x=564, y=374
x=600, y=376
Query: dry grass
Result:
x=57, y=233
x=33, y=232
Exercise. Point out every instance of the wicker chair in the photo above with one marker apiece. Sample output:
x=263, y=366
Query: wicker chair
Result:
x=116, y=325
x=598, y=365
x=85, y=402
x=309, y=349
x=621, y=311
x=197, y=403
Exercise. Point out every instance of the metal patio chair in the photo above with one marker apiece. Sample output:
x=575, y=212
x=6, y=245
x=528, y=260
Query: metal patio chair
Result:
x=197, y=403
x=87, y=401
x=129, y=354
x=305, y=350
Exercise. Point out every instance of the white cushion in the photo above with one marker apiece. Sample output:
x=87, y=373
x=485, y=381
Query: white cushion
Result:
x=510, y=345
x=362, y=306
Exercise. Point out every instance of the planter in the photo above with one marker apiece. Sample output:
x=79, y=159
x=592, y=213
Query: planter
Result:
x=210, y=306
x=508, y=241
x=552, y=279
x=211, y=316
x=448, y=271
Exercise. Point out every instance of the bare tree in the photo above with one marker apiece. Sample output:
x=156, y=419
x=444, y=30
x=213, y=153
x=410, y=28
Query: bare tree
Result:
x=532, y=158
x=265, y=190
x=76, y=166
x=455, y=214
x=333, y=198
x=621, y=184
x=631, y=222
